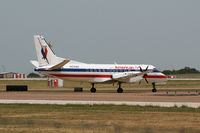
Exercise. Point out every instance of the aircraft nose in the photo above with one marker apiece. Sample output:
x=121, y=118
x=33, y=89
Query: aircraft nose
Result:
x=164, y=77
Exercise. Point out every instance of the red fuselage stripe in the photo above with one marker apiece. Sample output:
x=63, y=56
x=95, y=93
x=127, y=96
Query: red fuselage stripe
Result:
x=100, y=76
x=156, y=76
x=82, y=76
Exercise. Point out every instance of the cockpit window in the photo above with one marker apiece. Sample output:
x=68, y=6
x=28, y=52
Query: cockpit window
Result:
x=155, y=70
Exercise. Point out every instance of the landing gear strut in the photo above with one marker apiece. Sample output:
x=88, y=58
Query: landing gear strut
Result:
x=93, y=90
x=154, y=87
x=119, y=90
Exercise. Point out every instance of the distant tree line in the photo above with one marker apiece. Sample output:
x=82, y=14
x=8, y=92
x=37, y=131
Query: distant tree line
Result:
x=186, y=70
x=33, y=75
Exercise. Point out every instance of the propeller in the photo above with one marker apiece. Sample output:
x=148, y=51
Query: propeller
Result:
x=144, y=76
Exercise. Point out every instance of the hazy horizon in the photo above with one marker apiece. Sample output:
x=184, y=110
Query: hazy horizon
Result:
x=165, y=34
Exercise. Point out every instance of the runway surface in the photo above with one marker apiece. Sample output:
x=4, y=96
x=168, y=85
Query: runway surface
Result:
x=63, y=96
x=192, y=97
x=65, y=102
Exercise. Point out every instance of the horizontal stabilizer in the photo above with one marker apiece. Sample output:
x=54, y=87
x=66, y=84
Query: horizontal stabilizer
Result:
x=60, y=65
x=35, y=63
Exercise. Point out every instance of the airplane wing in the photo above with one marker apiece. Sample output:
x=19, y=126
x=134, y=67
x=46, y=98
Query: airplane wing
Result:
x=59, y=65
x=127, y=75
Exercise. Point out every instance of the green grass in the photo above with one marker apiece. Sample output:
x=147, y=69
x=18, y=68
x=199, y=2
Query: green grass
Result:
x=30, y=83
x=181, y=84
x=187, y=75
x=21, y=118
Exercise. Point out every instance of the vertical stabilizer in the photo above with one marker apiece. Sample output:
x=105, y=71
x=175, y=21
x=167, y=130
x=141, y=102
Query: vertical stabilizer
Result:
x=44, y=53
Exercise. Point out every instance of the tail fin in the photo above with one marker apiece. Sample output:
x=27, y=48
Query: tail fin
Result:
x=45, y=54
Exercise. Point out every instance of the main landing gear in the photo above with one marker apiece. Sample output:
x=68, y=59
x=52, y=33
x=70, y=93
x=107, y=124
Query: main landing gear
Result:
x=93, y=90
x=119, y=90
x=154, y=87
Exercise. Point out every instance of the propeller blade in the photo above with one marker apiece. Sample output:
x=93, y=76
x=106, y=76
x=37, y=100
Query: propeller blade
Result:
x=144, y=76
x=141, y=69
x=147, y=68
x=146, y=80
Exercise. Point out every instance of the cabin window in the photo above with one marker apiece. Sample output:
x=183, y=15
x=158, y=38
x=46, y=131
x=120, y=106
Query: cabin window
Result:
x=155, y=70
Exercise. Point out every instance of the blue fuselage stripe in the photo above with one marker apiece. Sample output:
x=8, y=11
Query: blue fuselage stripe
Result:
x=91, y=70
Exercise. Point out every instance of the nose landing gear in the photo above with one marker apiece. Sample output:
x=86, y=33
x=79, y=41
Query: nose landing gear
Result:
x=154, y=87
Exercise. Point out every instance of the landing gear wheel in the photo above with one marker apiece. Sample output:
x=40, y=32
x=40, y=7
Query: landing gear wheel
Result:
x=93, y=90
x=154, y=90
x=154, y=87
x=119, y=90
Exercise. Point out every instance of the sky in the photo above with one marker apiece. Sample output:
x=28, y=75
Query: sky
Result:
x=163, y=33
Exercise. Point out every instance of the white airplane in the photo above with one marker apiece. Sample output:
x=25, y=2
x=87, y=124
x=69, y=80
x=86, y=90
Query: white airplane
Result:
x=51, y=65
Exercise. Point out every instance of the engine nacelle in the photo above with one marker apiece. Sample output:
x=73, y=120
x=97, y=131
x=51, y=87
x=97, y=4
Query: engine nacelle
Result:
x=119, y=75
x=135, y=79
x=123, y=77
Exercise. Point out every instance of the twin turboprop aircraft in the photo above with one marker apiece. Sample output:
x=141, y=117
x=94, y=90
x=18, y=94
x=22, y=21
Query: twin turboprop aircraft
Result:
x=51, y=65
